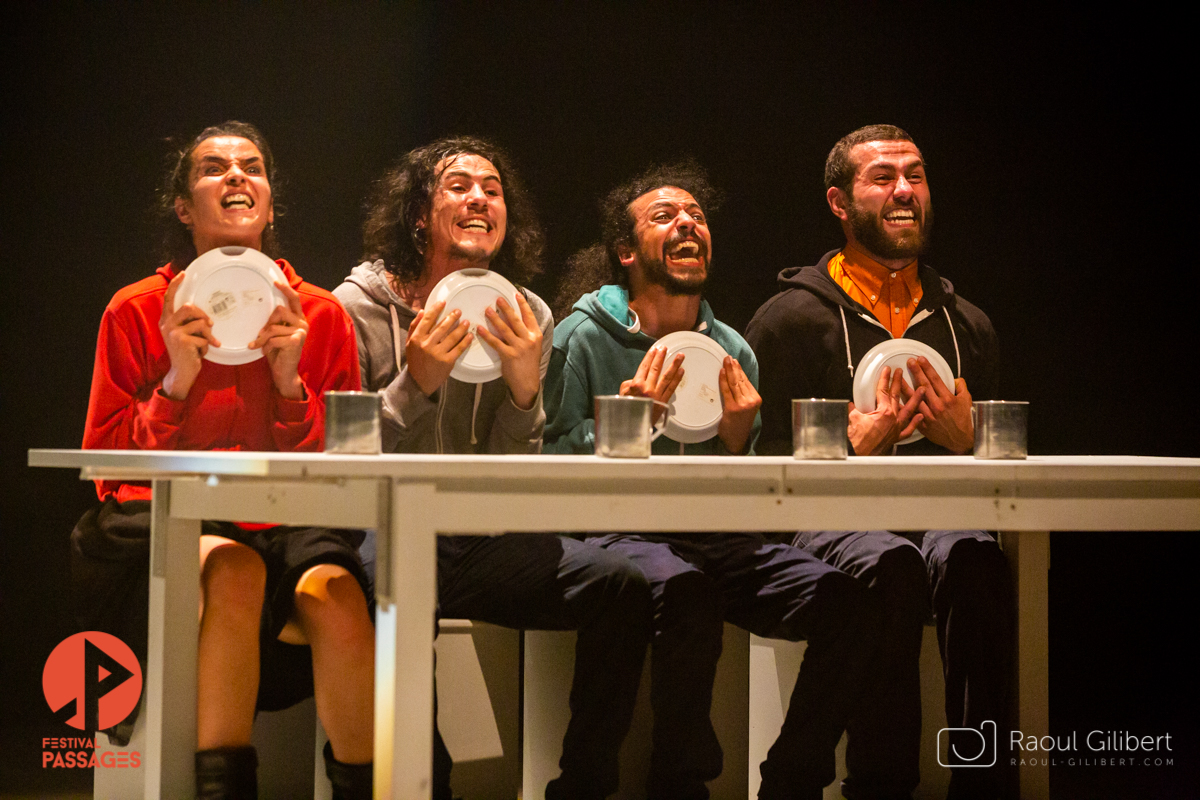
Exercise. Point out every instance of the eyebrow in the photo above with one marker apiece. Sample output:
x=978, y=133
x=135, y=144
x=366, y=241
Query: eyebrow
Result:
x=462, y=173
x=892, y=167
x=222, y=160
x=657, y=204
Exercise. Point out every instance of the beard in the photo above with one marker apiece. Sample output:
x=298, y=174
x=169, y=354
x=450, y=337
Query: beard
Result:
x=869, y=230
x=654, y=268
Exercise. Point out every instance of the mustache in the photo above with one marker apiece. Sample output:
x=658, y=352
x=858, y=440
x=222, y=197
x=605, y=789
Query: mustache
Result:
x=677, y=238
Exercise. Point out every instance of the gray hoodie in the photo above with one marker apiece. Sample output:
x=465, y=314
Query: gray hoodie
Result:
x=459, y=417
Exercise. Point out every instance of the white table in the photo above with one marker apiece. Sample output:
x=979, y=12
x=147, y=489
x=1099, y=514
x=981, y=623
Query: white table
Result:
x=409, y=499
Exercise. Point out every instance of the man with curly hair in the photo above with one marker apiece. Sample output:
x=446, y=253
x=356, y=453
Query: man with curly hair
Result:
x=455, y=204
x=654, y=259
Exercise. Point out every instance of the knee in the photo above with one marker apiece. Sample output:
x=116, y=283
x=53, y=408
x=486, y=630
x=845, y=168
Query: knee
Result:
x=233, y=576
x=329, y=600
x=903, y=582
x=688, y=605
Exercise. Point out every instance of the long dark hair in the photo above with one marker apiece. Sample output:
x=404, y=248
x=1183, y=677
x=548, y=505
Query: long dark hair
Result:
x=403, y=195
x=599, y=264
x=176, y=240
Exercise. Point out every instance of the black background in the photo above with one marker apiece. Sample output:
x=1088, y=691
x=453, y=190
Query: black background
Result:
x=1059, y=162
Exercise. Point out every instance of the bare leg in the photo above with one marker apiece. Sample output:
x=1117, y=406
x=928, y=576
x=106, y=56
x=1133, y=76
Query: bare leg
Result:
x=232, y=581
x=331, y=615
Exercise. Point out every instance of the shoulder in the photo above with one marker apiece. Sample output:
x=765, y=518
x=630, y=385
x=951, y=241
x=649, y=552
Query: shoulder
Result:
x=733, y=343
x=792, y=310
x=576, y=328
x=150, y=289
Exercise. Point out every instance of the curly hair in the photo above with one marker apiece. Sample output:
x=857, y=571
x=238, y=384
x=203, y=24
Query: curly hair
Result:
x=176, y=243
x=599, y=264
x=402, y=197
x=839, y=167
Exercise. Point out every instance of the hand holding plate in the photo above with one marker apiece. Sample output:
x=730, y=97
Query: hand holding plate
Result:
x=282, y=342
x=874, y=433
x=432, y=349
x=739, y=406
x=653, y=380
x=946, y=415
x=187, y=333
x=518, y=342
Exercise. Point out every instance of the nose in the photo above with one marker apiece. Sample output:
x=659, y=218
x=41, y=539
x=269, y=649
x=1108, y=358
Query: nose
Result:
x=476, y=196
x=686, y=222
x=235, y=174
x=903, y=188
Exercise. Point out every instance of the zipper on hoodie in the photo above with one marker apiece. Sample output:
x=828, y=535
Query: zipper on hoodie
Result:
x=437, y=427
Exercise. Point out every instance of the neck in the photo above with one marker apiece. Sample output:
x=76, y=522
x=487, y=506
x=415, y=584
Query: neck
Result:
x=417, y=292
x=661, y=313
x=203, y=244
x=892, y=264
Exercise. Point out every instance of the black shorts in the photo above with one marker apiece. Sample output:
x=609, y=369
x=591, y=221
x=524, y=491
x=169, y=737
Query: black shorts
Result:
x=110, y=584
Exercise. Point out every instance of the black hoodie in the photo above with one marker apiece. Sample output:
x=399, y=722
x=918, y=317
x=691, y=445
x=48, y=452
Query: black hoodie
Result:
x=811, y=336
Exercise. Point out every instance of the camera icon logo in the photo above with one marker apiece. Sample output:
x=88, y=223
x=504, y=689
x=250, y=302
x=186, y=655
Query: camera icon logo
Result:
x=967, y=747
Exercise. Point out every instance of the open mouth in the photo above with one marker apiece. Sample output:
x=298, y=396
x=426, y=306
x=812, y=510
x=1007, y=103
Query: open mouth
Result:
x=901, y=216
x=475, y=225
x=687, y=253
x=237, y=201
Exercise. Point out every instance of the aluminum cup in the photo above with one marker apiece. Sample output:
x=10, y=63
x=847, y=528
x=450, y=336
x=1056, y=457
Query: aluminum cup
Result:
x=625, y=425
x=352, y=423
x=1001, y=428
x=819, y=428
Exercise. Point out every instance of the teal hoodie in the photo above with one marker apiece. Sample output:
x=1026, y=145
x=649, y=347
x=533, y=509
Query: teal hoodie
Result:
x=597, y=348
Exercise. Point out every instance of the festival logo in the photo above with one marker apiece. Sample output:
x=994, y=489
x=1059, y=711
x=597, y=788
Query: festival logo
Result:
x=92, y=681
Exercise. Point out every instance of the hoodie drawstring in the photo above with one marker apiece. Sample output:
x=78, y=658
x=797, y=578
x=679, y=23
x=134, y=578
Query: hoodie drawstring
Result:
x=954, y=336
x=395, y=336
x=846, y=336
x=475, y=411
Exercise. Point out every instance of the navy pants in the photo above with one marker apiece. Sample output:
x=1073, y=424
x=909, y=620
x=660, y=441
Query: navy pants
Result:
x=546, y=582
x=962, y=578
x=772, y=590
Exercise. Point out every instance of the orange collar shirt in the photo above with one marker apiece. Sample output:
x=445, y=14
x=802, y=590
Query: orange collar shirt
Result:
x=892, y=296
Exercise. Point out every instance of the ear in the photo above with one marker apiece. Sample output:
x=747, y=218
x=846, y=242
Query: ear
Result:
x=625, y=255
x=838, y=203
x=271, y=213
x=183, y=210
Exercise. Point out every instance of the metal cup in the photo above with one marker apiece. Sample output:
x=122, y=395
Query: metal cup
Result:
x=1001, y=428
x=819, y=428
x=352, y=423
x=624, y=425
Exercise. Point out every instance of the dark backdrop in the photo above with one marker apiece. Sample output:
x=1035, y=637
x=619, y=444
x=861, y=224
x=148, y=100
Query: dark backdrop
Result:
x=1051, y=144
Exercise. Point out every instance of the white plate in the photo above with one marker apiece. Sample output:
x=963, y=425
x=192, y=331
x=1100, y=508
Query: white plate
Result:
x=473, y=291
x=696, y=404
x=235, y=286
x=895, y=353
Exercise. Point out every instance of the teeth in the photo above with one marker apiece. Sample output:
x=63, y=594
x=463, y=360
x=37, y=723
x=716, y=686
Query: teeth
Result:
x=685, y=249
x=900, y=215
x=475, y=225
x=239, y=200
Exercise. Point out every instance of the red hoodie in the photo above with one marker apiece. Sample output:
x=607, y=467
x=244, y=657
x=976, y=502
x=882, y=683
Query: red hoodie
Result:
x=228, y=407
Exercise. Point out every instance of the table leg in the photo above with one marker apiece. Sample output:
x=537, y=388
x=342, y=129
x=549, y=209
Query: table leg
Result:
x=1028, y=555
x=404, y=645
x=171, y=655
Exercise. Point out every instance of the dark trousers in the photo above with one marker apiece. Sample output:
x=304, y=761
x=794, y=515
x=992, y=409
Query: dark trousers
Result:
x=772, y=590
x=546, y=582
x=962, y=577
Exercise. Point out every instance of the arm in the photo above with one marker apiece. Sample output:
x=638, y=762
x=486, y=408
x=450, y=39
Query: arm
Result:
x=570, y=427
x=518, y=429
x=128, y=408
x=328, y=362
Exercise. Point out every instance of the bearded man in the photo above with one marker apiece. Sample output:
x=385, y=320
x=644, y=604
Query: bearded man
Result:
x=654, y=260
x=810, y=339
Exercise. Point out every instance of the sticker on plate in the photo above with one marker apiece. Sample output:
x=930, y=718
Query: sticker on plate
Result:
x=708, y=394
x=222, y=304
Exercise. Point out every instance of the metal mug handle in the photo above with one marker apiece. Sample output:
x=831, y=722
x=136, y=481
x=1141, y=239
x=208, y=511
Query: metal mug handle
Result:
x=661, y=428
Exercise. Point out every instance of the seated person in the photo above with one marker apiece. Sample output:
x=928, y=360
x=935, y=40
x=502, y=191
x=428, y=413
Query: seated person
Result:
x=810, y=338
x=264, y=590
x=451, y=205
x=655, y=259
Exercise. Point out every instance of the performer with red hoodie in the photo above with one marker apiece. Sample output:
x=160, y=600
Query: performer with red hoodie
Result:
x=283, y=610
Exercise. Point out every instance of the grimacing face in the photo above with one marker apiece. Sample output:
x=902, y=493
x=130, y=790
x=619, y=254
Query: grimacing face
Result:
x=467, y=218
x=230, y=197
x=889, y=208
x=673, y=245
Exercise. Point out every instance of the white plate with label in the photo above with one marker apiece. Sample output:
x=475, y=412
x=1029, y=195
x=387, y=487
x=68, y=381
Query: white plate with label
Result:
x=474, y=291
x=895, y=353
x=235, y=286
x=696, y=405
